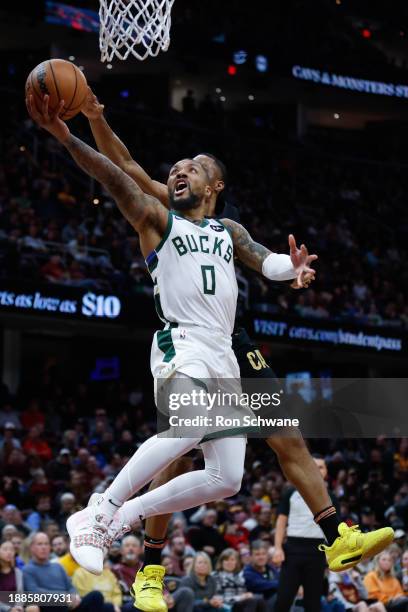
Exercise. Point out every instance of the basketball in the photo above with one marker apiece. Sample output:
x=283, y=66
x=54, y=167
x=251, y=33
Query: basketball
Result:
x=61, y=80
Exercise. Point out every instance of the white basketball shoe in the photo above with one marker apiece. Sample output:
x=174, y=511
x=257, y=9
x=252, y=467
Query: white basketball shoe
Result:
x=116, y=529
x=87, y=530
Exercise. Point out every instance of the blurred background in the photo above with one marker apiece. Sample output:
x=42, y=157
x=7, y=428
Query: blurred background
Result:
x=308, y=108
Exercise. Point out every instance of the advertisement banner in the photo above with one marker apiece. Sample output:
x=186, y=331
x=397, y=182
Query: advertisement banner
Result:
x=381, y=340
x=61, y=301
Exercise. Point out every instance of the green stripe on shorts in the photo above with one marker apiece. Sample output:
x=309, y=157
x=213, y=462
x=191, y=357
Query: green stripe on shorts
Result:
x=165, y=344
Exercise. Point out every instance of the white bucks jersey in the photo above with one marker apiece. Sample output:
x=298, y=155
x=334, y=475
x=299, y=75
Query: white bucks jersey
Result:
x=194, y=276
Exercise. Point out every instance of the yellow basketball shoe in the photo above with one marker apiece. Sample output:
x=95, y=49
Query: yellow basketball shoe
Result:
x=147, y=589
x=352, y=546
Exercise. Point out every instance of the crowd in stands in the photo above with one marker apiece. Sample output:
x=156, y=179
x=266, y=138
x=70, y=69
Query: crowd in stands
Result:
x=55, y=227
x=66, y=441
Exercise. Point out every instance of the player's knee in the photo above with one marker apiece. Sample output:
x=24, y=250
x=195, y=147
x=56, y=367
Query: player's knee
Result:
x=227, y=489
x=234, y=486
x=231, y=484
x=224, y=484
x=287, y=447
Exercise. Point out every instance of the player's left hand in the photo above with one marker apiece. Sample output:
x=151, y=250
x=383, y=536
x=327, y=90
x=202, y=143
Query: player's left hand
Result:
x=301, y=261
x=91, y=108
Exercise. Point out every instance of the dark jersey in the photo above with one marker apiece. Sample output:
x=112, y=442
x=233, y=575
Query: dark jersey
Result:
x=250, y=360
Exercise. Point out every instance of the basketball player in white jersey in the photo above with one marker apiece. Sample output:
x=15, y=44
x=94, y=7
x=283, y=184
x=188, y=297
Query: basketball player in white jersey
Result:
x=191, y=261
x=293, y=454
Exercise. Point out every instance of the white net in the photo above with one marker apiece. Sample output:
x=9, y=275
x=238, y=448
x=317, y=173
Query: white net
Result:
x=134, y=27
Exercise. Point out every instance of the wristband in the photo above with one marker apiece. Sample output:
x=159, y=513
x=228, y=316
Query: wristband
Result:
x=279, y=267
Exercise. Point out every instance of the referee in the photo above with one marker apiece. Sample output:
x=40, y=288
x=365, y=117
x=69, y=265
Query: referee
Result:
x=302, y=563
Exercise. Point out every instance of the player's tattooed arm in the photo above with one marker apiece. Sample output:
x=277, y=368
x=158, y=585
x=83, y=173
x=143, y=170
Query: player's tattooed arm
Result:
x=249, y=252
x=112, y=146
x=275, y=266
x=140, y=210
x=135, y=205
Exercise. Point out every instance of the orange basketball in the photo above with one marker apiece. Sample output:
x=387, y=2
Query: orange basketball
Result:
x=61, y=80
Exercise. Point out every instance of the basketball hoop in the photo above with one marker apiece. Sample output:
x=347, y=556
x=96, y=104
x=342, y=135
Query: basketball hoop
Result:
x=134, y=27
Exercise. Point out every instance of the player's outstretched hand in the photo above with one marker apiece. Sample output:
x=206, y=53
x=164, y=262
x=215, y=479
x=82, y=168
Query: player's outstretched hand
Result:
x=301, y=261
x=307, y=278
x=47, y=119
x=91, y=108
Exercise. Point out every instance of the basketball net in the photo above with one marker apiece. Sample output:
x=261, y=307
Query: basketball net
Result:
x=134, y=27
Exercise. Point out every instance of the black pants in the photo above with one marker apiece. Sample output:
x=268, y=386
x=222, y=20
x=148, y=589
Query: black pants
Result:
x=91, y=602
x=255, y=604
x=304, y=566
x=399, y=605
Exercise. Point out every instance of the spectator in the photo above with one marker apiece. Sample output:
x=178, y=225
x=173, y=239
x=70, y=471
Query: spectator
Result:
x=177, y=550
x=9, y=439
x=178, y=598
x=259, y=496
x=32, y=415
x=41, y=576
x=207, y=537
x=8, y=532
x=11, y=577
x=126, y=445
x=32, y=239
x=403, y=575
x=70, y=230
x=106, y=583
x=67, y=507
x=188, y=564
x=129, y=563
x=81, y=460
x=348, y=589
x=381, y=584
x=68, y=563
x=39, y=483
x=16, y=464
x=34, y=444
x=41, y=513
x=245, y=555
x=59, y=546
x=231, y=584
x=78, y=486
x=203, y=585
x=58, y=469
x=78, y=248
x=400, y=538
x=50, y=528
x=11, y=515
x=53, y=270
x=264, y=525
x=260, y=577
x=9, y=415
x=235, y=533
x=17, y=541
